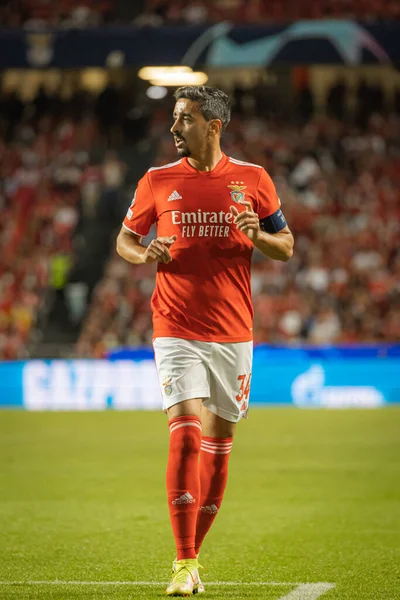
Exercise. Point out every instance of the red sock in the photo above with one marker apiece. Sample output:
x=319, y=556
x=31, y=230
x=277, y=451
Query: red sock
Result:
x=214, y=458
x=183, y=482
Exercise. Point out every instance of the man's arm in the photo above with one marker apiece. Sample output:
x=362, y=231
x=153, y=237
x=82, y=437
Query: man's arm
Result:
x=278, y=246
x=130, y=248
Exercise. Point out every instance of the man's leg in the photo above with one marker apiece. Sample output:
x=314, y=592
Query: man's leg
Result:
x=183, y=479
x=184, y=379
x=230, y=374
x=216, y=444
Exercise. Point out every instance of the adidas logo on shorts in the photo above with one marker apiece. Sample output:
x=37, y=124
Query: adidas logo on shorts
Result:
x=185, y=499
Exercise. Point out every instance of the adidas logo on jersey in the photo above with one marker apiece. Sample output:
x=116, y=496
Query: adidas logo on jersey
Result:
x=174, y=196
x=185, y=499
x=210, y=510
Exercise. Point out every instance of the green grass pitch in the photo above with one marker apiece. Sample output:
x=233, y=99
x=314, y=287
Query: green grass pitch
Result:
x=313, y=496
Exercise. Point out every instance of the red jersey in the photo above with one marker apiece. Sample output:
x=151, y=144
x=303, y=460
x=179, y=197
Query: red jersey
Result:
x=204, y=293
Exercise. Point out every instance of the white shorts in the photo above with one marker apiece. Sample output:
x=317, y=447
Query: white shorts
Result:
x=220, y=374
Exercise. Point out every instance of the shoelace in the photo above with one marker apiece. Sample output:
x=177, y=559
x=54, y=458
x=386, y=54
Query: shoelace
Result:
x=181, y=572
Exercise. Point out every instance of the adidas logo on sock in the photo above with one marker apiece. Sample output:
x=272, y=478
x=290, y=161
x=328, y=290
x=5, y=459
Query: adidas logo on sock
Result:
x=185, y=499
x=211, y=510
x=174, y=196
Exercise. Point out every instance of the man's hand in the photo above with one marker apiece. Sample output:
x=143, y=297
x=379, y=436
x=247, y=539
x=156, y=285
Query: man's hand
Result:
x=247, y=221
x=158, y=250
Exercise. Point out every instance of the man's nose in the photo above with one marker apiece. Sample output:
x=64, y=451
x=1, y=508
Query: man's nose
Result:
x=174, y=128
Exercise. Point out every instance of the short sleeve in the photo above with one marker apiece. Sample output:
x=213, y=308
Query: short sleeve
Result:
x=267, y=201
x=142, y=212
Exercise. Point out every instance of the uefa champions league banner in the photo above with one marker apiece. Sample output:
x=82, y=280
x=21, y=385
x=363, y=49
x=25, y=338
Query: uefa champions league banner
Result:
x=327, y=41
x=329, y=378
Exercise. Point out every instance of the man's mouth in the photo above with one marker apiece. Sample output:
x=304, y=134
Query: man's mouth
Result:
x=179, y=141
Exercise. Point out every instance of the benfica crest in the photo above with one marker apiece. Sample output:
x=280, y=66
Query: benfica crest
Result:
x=237, y=193
x=167, y=386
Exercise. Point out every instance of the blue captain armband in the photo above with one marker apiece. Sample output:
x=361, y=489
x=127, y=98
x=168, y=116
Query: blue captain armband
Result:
x=274, y=223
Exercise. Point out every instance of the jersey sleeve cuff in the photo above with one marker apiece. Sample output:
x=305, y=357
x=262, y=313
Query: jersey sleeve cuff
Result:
x=135, y=232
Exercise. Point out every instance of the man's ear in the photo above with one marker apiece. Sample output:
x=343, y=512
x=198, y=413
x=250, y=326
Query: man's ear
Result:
x=216, y=126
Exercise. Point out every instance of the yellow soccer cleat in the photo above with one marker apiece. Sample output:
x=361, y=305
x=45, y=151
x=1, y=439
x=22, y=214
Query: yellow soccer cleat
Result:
x=185, y=578
x=200, y=588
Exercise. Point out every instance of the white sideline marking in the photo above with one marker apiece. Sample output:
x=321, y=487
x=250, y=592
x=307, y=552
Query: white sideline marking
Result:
x=308, y=591
x=303, y=591
x=57, y=582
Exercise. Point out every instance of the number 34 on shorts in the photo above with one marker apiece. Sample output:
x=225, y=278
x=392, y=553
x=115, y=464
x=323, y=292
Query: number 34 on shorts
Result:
x=244, y=391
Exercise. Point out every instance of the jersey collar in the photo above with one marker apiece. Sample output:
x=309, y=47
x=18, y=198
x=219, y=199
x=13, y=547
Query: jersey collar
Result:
x=216, y=170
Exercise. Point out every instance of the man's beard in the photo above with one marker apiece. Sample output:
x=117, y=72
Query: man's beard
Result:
x=184, y=151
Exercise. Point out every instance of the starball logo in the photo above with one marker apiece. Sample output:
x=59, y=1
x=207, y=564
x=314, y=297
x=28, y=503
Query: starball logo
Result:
x=202, y=223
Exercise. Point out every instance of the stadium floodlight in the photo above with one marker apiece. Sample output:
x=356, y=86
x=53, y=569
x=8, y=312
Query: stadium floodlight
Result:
x=148, y=73
x=156, y=92
x=177, y=79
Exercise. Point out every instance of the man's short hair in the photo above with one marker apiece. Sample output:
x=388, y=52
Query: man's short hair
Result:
x=213, y=103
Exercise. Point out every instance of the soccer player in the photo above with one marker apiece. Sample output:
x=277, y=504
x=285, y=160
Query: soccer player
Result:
x=210, y=210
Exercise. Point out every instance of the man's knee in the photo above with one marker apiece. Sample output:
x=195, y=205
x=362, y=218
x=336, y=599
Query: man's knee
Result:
x=215, y=426
x=185, y=408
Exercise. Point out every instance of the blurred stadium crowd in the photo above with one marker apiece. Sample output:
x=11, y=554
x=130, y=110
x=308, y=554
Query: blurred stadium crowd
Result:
x=90, y=13
x=339, y=184
x=49, y=182
x=340, y=189
x=64, y=190
x=159, y=12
